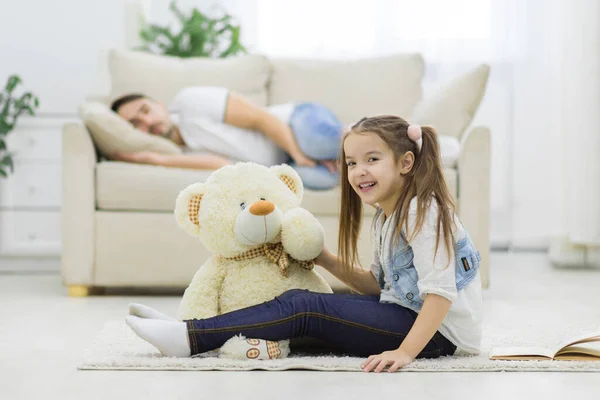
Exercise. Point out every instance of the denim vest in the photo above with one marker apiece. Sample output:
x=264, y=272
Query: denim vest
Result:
x=402, y=274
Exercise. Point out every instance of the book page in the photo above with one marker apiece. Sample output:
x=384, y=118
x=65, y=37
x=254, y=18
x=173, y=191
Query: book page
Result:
x=584, y=351
x=518, y=353
x=578, y=340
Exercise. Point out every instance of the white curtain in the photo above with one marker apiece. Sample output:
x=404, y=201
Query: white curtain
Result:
x=581, y=125
x=578, y=244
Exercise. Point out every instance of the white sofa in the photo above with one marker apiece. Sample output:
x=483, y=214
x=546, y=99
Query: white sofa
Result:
x=117, y=218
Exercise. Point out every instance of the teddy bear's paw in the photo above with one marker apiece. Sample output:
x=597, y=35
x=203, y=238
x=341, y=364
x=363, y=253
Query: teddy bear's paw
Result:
x=241, y=348
x=302, y=235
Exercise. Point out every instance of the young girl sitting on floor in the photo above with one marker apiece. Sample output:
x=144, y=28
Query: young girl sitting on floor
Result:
x=421, y=297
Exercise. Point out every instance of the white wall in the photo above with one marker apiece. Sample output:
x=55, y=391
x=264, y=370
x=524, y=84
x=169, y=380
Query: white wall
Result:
x=56, y=47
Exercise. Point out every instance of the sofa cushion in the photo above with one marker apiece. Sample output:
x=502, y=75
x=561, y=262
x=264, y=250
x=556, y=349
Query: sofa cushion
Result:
x=452, y=108
x=127, y=187
x=352, y=89
x=449, y=150
x=161, y=77
x=112, y=133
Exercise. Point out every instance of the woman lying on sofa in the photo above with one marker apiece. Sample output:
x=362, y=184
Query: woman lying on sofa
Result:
x=217, y=127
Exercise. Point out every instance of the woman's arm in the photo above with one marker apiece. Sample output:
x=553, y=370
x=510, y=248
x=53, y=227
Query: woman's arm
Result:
x=191, y=161
x=357, y=278
x=243, y=114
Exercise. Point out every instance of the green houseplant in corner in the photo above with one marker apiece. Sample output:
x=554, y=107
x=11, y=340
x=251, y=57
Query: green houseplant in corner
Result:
x=11, y=108
x=200, y=36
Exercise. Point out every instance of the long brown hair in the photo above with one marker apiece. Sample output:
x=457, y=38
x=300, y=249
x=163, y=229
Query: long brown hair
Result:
x=425, y=181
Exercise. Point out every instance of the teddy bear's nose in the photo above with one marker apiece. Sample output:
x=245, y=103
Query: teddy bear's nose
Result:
x=262, y=207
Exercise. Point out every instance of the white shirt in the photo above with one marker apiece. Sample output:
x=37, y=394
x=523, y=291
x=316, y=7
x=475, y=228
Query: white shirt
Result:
x=200, y=114
x=463, y=323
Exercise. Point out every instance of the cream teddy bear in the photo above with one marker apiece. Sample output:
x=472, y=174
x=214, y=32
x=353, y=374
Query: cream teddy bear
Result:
x=262, y=243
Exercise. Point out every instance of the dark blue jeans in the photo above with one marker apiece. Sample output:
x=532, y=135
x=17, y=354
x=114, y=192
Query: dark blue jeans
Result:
x=353, y=324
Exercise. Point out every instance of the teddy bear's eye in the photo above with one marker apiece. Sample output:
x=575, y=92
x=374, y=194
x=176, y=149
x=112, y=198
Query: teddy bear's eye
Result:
x=242, y=205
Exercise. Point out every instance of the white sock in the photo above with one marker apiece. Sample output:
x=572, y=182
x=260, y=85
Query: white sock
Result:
x=169, y=337
x=142, y=311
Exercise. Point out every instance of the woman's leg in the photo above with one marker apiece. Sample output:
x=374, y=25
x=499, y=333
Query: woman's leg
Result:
x=357, y=325
x=316, y=178
x=317, y=131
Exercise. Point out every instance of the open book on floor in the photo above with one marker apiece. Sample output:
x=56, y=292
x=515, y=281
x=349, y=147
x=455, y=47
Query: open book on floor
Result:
x=585, y=348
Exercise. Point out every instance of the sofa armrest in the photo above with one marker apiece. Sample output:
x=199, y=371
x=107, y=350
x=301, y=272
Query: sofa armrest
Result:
x=78, y=205
x=474, y=205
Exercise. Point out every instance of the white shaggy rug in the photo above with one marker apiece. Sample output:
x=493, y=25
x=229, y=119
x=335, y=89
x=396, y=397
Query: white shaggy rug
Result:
x=117, y=348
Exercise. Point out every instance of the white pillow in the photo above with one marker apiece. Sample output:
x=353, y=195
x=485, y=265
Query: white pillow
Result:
x=112, y=134
x=449, y=150
x=451, y=109
x=161, y=77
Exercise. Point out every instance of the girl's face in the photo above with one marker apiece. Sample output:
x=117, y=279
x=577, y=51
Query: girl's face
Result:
x=372, y=171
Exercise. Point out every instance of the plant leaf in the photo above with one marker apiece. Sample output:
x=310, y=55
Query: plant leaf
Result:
x=12, y=83
x=8, y=161
x=3, y=173
x=235, y=47
x=152, y=33
x=199, y=35
x=147, y=36
x=196, y=28
x=5, y=127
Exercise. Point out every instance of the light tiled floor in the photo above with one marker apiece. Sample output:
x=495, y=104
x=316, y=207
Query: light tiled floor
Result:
x=43, y=333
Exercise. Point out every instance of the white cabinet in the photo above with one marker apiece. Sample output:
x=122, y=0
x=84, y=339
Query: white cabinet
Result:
x=32, y=232
x=30, y=198
x=34, y=184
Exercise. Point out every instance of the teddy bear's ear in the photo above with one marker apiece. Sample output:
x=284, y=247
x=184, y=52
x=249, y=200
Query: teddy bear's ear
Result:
x=187, y=208
x=290, y=177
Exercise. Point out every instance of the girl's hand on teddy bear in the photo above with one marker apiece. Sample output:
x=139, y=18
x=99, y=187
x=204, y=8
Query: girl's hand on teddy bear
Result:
x=324, y=258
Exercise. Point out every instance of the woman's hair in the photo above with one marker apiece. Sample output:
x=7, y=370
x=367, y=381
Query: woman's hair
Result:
x=425, y=181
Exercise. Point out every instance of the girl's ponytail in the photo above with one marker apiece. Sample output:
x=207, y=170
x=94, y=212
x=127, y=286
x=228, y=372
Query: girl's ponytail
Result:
x=428, y=165
x=430, y=185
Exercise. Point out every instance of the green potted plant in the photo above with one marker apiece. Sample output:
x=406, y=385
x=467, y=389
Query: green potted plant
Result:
x=11, y=108
x=199, y=36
